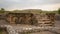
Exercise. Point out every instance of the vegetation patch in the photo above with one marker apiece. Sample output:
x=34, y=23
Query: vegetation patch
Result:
x=1, y=30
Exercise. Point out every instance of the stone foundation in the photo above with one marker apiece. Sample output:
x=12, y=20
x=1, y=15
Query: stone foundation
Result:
x=47, y=19
x=42, y=19
x=21, y=18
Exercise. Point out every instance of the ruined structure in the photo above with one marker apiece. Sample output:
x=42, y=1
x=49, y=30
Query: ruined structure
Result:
x=43, y=19
x=46, y=19
x=21, y=18
x=31, y=19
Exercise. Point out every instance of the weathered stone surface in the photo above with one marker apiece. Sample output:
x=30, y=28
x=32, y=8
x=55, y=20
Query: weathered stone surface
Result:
x=47, y=19
x=28, y=19
x=21, y=18
x=25, y=29
x=44, y=19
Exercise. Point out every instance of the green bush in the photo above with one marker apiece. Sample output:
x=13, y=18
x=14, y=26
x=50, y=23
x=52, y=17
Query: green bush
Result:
x=59, y=11
x=0, y=30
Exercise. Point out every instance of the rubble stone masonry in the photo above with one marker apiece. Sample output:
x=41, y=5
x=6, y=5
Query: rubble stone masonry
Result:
x=43, y=19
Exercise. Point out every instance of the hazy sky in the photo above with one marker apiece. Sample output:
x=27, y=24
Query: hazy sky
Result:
x=30, y=4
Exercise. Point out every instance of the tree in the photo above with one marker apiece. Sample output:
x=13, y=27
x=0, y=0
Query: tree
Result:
x=2, y=10
x=59, y=11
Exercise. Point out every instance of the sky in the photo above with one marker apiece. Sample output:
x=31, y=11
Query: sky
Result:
x=30, y=4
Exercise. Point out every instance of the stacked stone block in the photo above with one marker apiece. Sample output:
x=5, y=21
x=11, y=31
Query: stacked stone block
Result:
x=47, y=19
x=21, y=18
x=43, y=19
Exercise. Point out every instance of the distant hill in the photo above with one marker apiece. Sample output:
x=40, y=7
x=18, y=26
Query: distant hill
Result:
x=37, y=11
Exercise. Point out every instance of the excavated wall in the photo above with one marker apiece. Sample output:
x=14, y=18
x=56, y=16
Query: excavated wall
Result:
x=43, y=19
x=21, y=18
x=31, y=19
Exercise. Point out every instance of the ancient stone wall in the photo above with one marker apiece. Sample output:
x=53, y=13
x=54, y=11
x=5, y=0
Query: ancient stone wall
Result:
x=46, y=19
x=21, y=18
x=42, y=19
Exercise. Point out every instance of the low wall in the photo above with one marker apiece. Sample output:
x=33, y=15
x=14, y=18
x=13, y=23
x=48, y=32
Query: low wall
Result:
x=31, y=19
x=21, y=18
x=47, y=19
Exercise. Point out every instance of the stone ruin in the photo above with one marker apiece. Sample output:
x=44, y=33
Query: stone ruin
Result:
x=42, y=19
x=21, y=18
x=46, y=19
